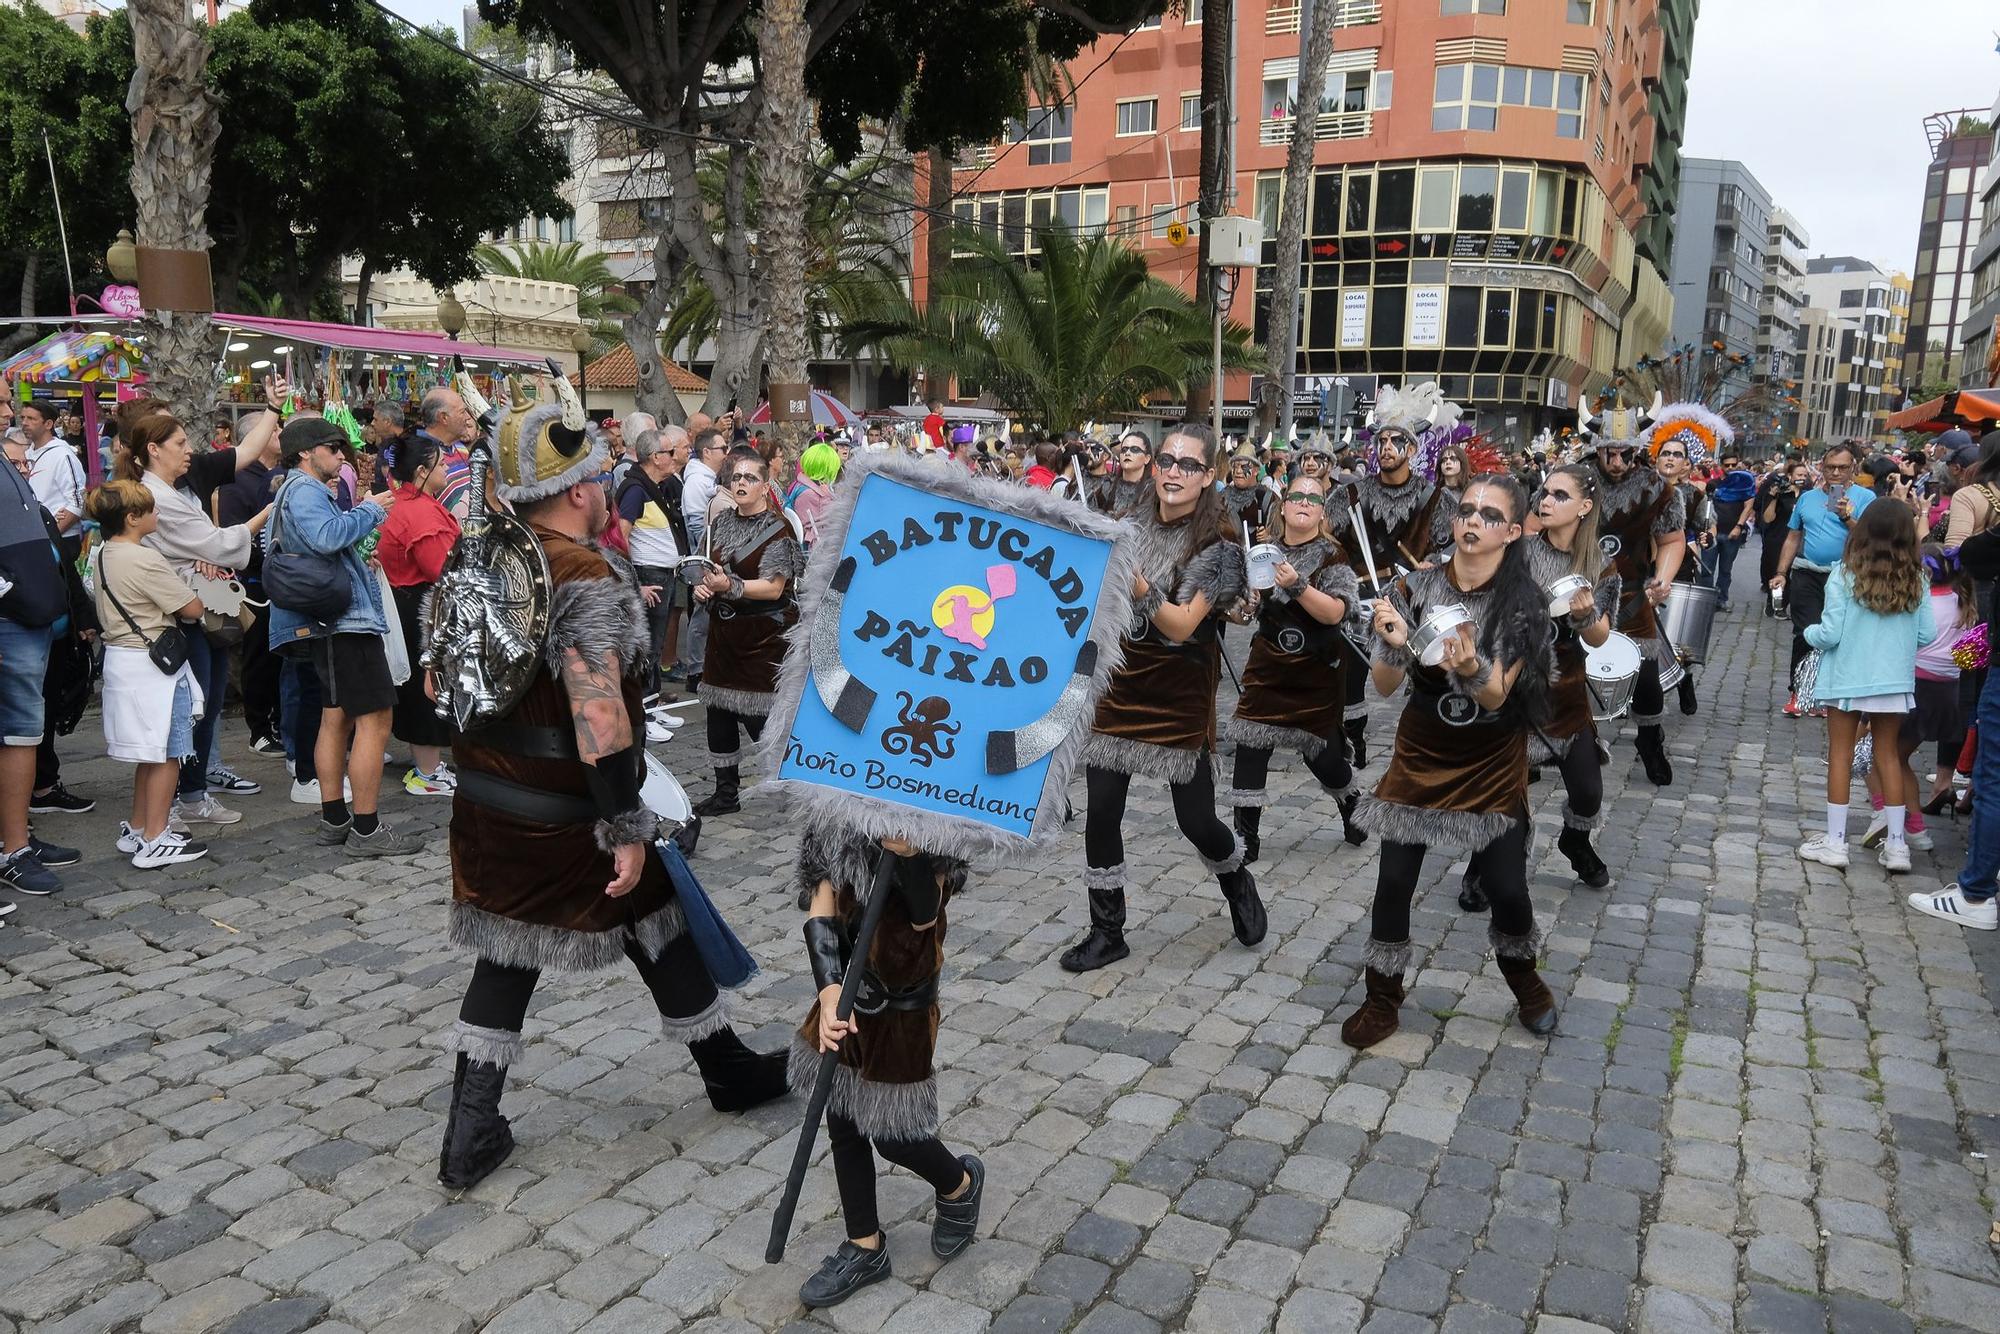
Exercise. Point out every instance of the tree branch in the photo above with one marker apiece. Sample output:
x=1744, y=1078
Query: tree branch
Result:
x=1079, y=16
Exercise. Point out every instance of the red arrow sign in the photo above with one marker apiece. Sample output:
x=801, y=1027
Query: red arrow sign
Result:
x=1560, y=251
x=1326, y=249
x=1392, y=247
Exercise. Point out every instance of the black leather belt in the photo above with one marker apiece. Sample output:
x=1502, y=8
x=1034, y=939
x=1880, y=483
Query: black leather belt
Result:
x=872, y=995
x=525, y=803
x=527, y=741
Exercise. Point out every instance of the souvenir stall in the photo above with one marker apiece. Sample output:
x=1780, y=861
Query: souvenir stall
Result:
x=85, y=371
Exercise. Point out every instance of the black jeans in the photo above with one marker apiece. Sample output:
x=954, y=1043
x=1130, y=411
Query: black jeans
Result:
x=659, y=616
x=1194, y=810
x=854, y=1169
x=1253, y=766
x=723, y=739
x=1502, y=866
x=1805, y=594
x=498, y=994
x=209, y=662
x=305, y=721
x=260, y=677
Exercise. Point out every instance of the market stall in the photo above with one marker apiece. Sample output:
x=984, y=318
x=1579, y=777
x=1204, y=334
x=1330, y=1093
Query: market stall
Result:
x=1975, y=411
x=83, y=371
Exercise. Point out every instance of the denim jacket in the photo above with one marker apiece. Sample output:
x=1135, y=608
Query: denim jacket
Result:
x=307, y=520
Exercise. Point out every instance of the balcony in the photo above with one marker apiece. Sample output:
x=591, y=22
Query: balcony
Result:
x=1282, y=19
x=1277, y=132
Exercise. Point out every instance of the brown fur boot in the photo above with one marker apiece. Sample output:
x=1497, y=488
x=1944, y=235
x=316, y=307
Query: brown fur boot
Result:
x=1536, y=1006
x=1375, y=1018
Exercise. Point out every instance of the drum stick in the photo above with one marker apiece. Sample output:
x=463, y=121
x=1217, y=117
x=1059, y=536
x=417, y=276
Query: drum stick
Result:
x=1361, y=536
x=788, y=1203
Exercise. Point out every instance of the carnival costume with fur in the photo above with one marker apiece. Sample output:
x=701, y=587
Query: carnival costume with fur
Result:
x=1703, y=435
x=533, y=825
x=746, y=641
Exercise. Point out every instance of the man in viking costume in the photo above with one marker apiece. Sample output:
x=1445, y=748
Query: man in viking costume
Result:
x=1640, y=529
x=537, y=648
x=1683, y=438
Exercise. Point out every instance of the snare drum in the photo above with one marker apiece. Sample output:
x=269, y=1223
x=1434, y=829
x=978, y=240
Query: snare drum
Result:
x=1611, y=670
x=662, y=793
x=1428, y=639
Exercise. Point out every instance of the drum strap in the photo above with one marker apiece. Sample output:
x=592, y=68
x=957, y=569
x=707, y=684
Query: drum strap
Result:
x=525, y=803
x=528, y=742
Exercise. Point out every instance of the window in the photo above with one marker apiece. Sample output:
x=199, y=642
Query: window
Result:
x=1579, y=11
x=1125, y=218
x=566, y=228
x=1163, y=217
x=1469, y=97
x=1270, y=190
x=617, y=139
x=1434, y=199
x=1193, y=11
x=618, y=219
x=1191, y=112
x=1146, y=25
x=1476, y=185
x=1046, y=132
x=1139, y=116
x=1451, y=7
x=1015, y=218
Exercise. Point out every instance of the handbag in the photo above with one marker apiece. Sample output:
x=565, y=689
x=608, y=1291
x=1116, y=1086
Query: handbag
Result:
x=1805, y=684
x=169, y=651
x=304, y=582
x=729, y=964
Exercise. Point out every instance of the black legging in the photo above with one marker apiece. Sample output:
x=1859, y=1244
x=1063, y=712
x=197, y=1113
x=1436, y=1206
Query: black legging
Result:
x=498, y=994
x=854, y=1169
x=722, y=735
x=1648, y=699
x=1583, y=777
x=1253, y=766
x=1194, y=811
x=1502, y=866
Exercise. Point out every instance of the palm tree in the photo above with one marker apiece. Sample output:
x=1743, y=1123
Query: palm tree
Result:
x=783, y=148
x=1084, y=333
x=598, y=301
x=174, y=129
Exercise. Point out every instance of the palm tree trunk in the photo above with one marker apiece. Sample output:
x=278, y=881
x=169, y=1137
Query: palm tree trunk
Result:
x=782, y=151
x=937, y=244
x=1216, y=18
x=174, y=130
x=1274, y=408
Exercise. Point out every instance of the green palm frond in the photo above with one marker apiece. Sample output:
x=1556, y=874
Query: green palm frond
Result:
x=598, y=300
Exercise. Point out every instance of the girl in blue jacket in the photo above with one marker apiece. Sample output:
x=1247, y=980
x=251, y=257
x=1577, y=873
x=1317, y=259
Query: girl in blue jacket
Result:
x=1877, y=616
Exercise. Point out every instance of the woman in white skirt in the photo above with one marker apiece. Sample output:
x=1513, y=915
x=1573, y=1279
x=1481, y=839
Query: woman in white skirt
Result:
x=148, y=714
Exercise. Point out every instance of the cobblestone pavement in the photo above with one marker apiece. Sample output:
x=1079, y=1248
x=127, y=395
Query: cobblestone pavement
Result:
x=1768, y=1105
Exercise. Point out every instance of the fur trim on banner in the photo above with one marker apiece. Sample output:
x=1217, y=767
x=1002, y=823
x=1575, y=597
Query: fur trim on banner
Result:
x=1229, y=863
x=598, y=618
x=1243, y=798
x=937, y=833
x=1527, y=947
x=1394, y=823
x=878, y=1110
x=1104, y=877
x=634, y=826
x=1141, y=759
x=748, y=703
x=1269, y=736
x=531, y=945
x=706, y=1023
x=1586, y=823
x=489, y=1046
x=1390, y=958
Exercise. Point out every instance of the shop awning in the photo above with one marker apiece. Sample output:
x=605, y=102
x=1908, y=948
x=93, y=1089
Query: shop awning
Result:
x=404, y=343
x=1974, y=411
x=73, y=356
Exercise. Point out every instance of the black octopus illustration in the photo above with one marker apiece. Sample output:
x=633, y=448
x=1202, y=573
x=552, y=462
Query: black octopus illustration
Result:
x=921, y=729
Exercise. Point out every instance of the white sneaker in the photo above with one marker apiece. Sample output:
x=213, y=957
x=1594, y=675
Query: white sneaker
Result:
x=657, y=732
x=1895, y=858
x=130, y=839
x=169, y=849
x=660, y=713
x=307, y=793
x=1920, y=840
x=1878, y=829
x=1952, y=906
x=1819, y=848
x=206, y=810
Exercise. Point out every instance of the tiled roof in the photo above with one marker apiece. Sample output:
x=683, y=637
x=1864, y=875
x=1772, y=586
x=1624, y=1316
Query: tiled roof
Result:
x=617, y=370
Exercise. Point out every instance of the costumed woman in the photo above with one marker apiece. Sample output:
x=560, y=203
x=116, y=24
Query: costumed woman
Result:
x=1131, y=477
x=751, y=604
x=1246, y=499
x=884, y=1094
x=1684, y=438
x=1454, y=470
x=1157, y=718
x=1640, y=527
x=1459, y=773
x=1292, y=686
x=552, y=860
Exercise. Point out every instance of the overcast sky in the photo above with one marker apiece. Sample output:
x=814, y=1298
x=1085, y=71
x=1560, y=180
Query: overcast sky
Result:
x=1824, y=100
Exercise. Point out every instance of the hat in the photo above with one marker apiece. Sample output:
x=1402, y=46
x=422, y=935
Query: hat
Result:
x=1965, y=456
x=302, y=434
x=544, y=448
x=1955, y=438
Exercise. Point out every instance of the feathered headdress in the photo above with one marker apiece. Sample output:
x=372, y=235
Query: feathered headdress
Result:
x=1712, y=378
x=1702, y=433
x=1420, y=412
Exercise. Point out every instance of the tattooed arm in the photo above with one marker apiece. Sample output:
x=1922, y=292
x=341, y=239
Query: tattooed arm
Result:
x=604, y=742
x=596, y=705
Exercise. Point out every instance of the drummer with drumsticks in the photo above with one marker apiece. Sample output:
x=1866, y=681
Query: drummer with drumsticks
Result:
x=1675, y=458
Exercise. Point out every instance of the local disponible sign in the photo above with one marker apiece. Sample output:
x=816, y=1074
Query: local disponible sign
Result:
x=947, y=663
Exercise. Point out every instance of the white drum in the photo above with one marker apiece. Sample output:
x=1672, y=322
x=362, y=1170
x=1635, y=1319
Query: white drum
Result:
x=662, y=793
x=1562, y=590
x=1428, y=639
x=1611, y=670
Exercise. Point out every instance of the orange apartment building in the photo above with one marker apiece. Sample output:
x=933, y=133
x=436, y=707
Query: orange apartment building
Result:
x=1492, y=201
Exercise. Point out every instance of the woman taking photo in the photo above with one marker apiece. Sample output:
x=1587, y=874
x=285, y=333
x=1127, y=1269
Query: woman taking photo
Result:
x=751, y=604
x=1459, y=774
x=164, y=462
x=1293, y=686
x=1157, y=716
x=416, y=539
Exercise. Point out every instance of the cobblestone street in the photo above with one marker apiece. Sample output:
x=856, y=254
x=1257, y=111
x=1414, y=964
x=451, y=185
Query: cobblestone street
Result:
x=1769, y=1105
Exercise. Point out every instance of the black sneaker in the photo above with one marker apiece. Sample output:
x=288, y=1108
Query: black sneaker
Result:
x=957, y=1223
x=267, y=745
x=23, y=871
x=59, y=800
x=53, y=854
x=844, y=1273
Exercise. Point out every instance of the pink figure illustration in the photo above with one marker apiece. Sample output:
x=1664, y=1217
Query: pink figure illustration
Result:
x=959, y=623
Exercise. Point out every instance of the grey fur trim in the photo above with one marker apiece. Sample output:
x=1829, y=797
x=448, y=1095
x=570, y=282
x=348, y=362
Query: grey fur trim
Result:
x=634, y=826
x=489, y=1046
x=1244, y=798
x=1586, y=823
x=1470, y=686
x=1141, y=759
x=596, y=453
x=1527, y=947
x=598, y=618
x=1230, y=863
x=735, y=593
x=1389, y=508
x=1641, y=486
x=1544, y=749
x=1341, y=793
x=1610, y=590
x=1149, y=605
x=1269, y=736
x=878, y=1110
x=815, y=805
x=725, y=761
x=1394, y=823
x=532, y=945
x=694, y=1027
x=749, y=703
x=1104, y=877
x=1648, y=719
x=1218, y=573
x=1388, y=957
x=1673, y=516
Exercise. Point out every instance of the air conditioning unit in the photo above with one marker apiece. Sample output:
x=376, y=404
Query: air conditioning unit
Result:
x=1233, y=242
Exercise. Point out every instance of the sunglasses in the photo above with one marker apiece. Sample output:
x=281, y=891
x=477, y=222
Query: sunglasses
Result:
x=1190, y=464
x=1486, y=514
x=1303, y=498
x=1131, y=451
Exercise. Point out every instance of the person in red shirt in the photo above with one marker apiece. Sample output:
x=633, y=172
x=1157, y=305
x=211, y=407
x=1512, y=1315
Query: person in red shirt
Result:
x=414, y=544
x=934, y=424
x=1042, y=474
